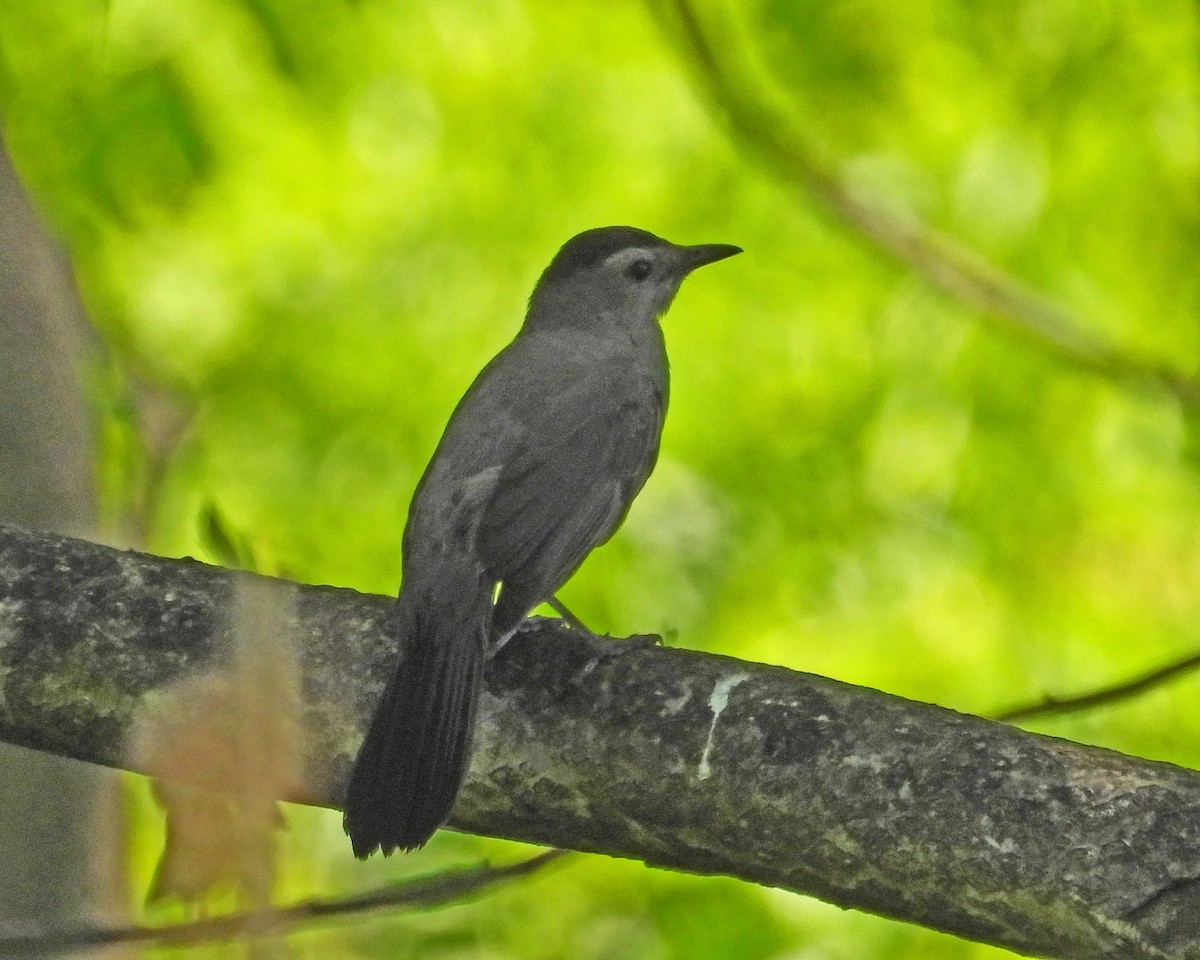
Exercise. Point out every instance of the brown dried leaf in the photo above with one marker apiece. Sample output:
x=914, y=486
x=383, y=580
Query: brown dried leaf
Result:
x=224, y=748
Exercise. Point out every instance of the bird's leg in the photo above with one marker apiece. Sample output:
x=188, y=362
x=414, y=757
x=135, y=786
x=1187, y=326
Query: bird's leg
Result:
x=558, y=607
x=561, y=609
x=602, y=652
x=642, y=640
x=636, y=641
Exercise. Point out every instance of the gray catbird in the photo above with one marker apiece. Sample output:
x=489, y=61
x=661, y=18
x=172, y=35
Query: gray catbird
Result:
x=538, y=465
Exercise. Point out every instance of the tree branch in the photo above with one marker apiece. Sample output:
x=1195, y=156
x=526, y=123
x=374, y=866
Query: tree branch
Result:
x=761, y=121
x=417, y=893
x=685, y=760
x=1102, y=696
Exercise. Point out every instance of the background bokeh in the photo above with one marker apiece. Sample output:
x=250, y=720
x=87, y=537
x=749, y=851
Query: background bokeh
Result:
x=301, y=228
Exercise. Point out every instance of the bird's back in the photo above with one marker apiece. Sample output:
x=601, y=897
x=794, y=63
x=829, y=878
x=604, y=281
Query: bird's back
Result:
x=541, y=460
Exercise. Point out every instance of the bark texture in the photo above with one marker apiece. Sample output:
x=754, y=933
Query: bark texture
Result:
x=51, y=857
x=688, y=761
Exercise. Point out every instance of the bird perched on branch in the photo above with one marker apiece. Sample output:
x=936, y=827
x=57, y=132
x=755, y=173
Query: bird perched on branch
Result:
x=538, y=464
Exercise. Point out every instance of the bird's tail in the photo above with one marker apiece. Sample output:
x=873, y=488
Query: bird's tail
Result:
x=412, y=763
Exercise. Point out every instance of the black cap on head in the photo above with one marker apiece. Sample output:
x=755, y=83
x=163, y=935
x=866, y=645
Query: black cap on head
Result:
x=593, y=246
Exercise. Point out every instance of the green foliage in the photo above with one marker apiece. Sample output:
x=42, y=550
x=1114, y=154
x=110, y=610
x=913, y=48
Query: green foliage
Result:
x=312, y=223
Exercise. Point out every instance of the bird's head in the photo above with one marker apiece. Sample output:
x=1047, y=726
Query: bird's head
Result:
x=620, y=274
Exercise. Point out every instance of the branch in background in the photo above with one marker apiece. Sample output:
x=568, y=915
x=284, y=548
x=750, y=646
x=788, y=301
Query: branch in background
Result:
x=759, y=119
x=420, y=894
x=46, y=449
x=163, y=418
x=688, y=761
x=59, y=844
x=1050, y=706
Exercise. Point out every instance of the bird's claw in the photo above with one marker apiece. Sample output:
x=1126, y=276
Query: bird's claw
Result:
x=638, y=642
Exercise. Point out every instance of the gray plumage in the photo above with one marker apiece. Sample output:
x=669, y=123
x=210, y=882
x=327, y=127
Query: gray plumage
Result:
x=537, y=466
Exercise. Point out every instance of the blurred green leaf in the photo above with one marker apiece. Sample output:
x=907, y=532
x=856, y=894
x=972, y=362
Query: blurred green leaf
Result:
x=315, y=222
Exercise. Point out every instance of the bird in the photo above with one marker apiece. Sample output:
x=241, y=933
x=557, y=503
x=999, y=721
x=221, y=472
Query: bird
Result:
x=538, y=465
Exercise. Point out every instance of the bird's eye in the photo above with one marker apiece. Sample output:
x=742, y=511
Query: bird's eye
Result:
x=639, y=270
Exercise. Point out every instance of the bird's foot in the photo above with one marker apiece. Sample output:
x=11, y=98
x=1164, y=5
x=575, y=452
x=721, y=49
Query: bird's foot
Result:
x=606, y=651
x=495, y=646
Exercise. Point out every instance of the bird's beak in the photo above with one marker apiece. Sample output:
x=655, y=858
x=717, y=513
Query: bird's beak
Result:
x=706, y=253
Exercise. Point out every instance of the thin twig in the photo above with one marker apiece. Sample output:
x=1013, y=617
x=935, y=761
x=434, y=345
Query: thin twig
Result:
x=422, y=893
x=772, y=130
x=1051, y=706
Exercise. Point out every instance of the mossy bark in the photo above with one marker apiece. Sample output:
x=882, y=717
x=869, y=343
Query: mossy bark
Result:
x=685, y=760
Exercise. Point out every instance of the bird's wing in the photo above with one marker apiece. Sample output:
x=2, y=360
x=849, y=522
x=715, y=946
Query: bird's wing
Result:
x=583, y=455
